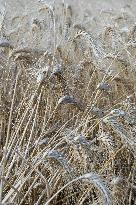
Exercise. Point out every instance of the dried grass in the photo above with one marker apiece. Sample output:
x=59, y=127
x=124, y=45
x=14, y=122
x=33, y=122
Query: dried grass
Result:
x=68, y=115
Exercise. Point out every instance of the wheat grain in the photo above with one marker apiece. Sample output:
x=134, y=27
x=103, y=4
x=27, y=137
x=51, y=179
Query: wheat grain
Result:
x=70, y=100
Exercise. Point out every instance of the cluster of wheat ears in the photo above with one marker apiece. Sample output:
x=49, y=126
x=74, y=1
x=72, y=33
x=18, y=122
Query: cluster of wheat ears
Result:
x=68, y=115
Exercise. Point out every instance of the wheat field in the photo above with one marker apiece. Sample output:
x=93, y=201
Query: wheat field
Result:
x=67, y=111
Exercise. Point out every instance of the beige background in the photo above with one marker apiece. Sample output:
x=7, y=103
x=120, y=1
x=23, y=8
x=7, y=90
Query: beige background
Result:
x=95, y=14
